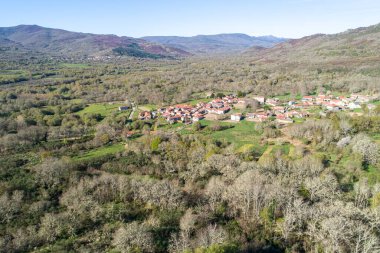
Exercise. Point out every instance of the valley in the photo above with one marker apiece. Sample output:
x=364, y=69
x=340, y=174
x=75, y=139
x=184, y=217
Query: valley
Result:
x=189, y=144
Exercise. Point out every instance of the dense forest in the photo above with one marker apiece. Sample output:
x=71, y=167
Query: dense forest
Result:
x=79, y=175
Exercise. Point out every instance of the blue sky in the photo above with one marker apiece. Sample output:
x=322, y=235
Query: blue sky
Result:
x=136, y=18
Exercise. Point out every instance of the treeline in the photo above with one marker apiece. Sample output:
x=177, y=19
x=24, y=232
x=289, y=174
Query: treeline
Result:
x=169, y=81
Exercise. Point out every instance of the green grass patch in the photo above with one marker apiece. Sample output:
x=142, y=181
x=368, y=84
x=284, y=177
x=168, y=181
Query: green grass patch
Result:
x=167, y=126
x=238, y=134
x=99, y=152
x=373, y=174
x=288, y=97
x=147, y=107
x=299, y=120
x=284, y=148
x=196, y=101
x=314, y=109
x=103, y=109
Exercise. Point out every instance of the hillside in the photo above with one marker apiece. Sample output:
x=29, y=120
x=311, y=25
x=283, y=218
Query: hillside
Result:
x=65, y=43
x=349, y=60
x=350, y=46
x=219, y=43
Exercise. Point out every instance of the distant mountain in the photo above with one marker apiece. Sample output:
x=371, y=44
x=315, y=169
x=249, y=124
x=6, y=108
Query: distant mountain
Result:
x=73, y=44
x=354, y=45
x=220, y=43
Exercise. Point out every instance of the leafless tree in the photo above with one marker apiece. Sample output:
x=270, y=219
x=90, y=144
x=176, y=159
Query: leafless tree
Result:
x=10, y=205
x=132, y=237
x=363, y=145
x=179, y=242
x=214, y=191
x=210, y=235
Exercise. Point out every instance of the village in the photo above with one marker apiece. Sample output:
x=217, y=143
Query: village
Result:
x=231, y=108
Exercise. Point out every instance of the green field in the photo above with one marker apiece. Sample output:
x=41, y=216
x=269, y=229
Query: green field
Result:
x=240, y=134
x=103, y=109
x=99, y=152
x=288, y=97
x=196, y=101
x=147, y=107
x=284, y=148
x=373, y=174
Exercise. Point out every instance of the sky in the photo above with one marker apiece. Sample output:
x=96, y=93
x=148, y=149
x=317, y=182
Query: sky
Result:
x=137, y=18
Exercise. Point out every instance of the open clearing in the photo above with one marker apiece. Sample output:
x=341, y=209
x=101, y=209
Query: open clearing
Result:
x=103, y=109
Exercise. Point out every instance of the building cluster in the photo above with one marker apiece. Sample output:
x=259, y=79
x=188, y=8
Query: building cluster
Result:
x=269, y=108
x=192, y=113
x=331, y=103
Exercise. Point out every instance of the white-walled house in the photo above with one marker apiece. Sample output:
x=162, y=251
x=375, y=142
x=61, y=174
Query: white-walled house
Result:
x=353, y=105
x=236, y=117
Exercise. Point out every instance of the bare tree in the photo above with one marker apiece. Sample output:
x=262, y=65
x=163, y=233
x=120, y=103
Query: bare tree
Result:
x=363, y=145
x=10, y=205
x=362, y=193
x=133, y=237
x=210, y=235
x=248, y=194
x=214, y=191
x=179, y=242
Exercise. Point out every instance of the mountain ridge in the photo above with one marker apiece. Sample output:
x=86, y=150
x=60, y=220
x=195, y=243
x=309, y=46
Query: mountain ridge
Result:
x=216, y=43
x=350, y=44
x=61, y=42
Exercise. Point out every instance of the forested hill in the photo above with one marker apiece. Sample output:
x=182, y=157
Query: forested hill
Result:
x=350, y=46
x=219, y=43
x=57, y=42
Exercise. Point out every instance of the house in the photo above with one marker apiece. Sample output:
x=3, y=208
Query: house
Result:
x=322, y=99
x=217, y=104
x=241, y=103
x=353, y=105
x=145, y=115
x=161, y=110
x=337, y=102
x=230, y=99
x=279, y=109
x=221, y=110
x=123, y=108
x=333, y=107
x=307, y=103
x=198, y=117
x=272, y=101
x=250, y=115
x=184, y=107
x=283, y=119
x=257, y=117
x=307, y=99
x=260, y=99
x=343, y=99
x=174, y=119
x=236, y=117
x=294, y=114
